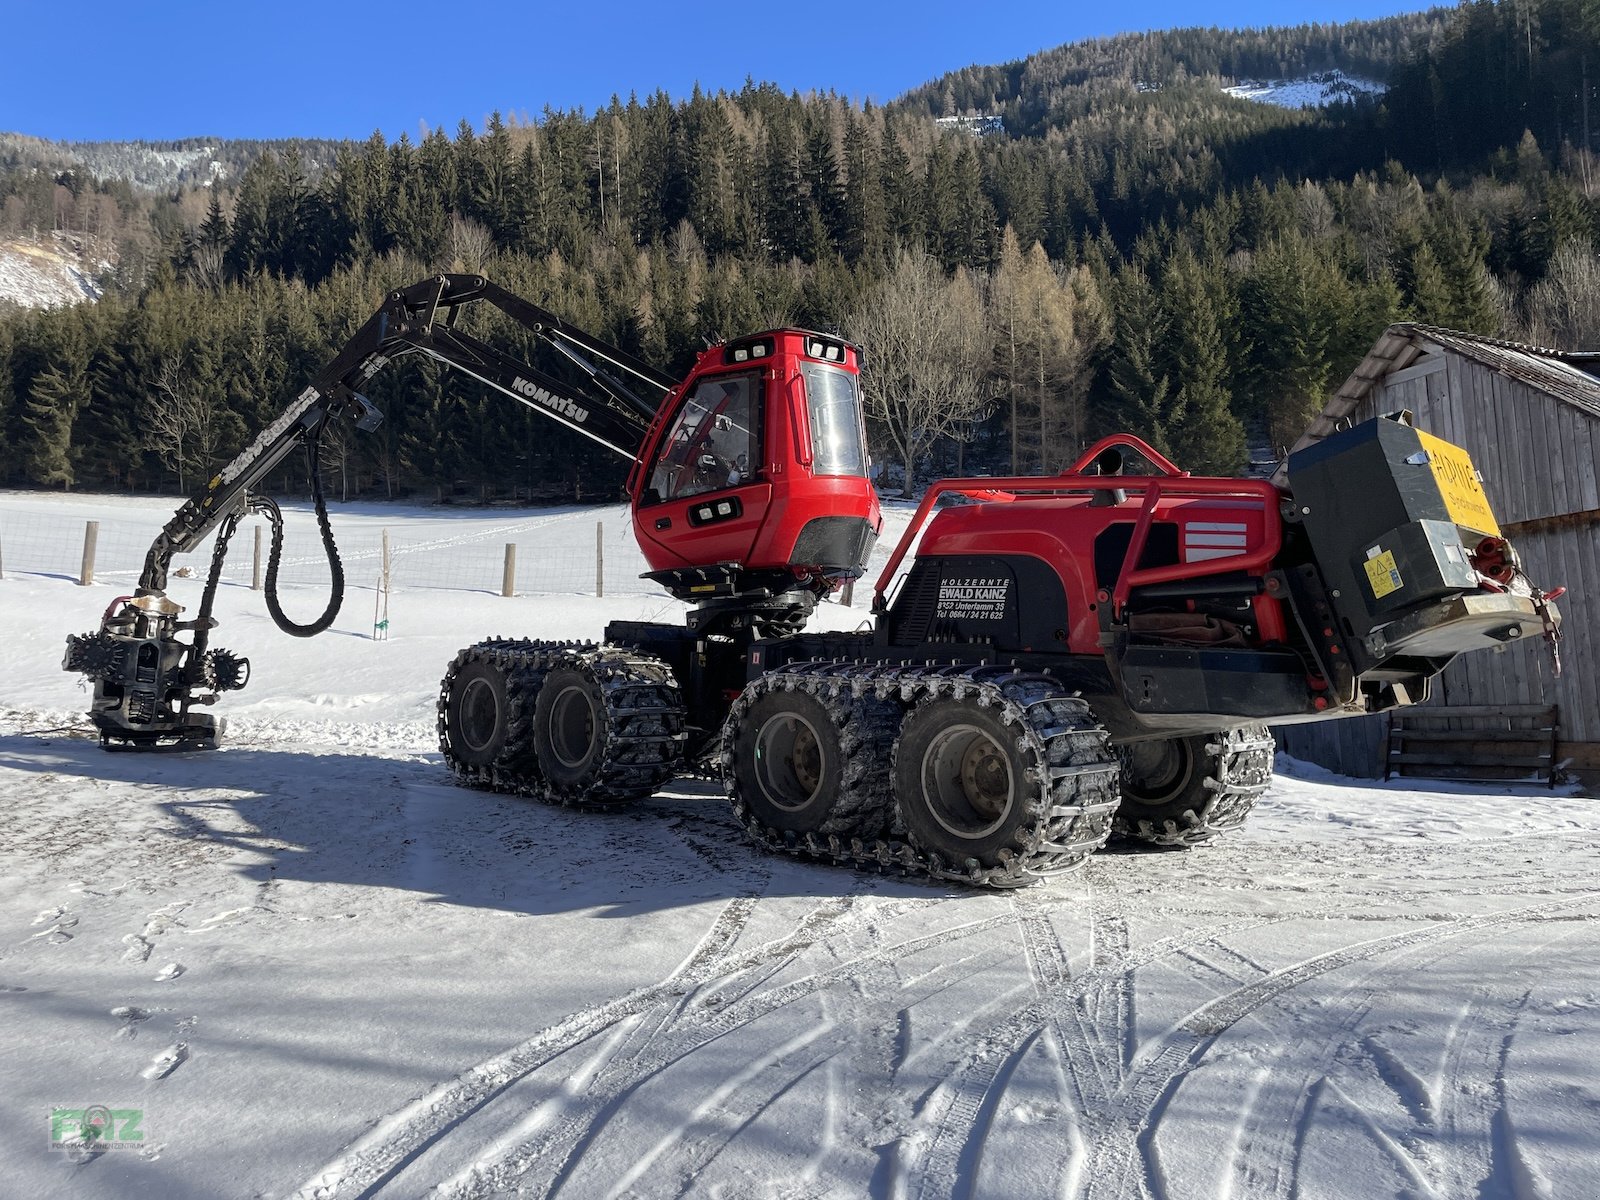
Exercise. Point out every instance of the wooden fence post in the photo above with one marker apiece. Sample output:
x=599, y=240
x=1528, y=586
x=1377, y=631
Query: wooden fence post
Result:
x=91, y=535
x=255, y=563
x=599, y=558
x=508, y=582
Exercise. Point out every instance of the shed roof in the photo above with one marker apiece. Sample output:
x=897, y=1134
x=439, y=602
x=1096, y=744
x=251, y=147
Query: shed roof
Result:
x=1572, y=376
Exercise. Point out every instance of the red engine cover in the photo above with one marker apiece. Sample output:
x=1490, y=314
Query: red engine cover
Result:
x=1186, y=529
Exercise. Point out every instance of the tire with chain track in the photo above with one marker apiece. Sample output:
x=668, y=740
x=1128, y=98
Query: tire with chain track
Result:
x=1064, y=771
x=608, y=726
x=973, y=788
x=1184, y=791
x=482, y=731
x=567, y=722
x=569, y=728
x=804, y=763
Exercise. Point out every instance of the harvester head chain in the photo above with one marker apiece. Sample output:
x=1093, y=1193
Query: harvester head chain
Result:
x=643, y=717
x=1076, y=772
x=95, y=654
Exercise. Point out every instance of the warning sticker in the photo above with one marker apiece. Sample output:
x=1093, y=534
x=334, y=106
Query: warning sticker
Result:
x=973, y=599
x=1458, y=484
x=1383, y=574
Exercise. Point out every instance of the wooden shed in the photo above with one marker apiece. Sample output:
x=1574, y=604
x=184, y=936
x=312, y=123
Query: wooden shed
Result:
x=1530, y=418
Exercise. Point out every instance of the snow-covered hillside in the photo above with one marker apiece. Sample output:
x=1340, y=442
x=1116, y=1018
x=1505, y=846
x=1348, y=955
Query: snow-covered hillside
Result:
x=45, y=274
x=314, y=967
x=1314, y=91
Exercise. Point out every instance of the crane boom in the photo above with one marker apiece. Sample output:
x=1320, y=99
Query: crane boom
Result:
x=422, y=319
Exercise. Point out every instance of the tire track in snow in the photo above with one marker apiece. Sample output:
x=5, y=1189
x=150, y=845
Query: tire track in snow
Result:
x=929, y=1173
x=560, y=1159
x=1124, y=1156
x=1290, y=1094
x=373, y=1159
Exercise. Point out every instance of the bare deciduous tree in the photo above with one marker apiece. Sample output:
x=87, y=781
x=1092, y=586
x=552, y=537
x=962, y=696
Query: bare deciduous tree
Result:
x=171, y=412
x=1564, y=306
x=469, y=245
x=184, y=427
x=927, y=345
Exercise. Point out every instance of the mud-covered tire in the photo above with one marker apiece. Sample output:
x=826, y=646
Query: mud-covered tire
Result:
x=1184, y=791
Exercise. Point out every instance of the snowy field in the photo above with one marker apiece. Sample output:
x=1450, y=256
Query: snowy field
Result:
x=314, y=967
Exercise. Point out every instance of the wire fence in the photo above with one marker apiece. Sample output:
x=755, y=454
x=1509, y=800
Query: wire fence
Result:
x=584, y=552
x=572, y=554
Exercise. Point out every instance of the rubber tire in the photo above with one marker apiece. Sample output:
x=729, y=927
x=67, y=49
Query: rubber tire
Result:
x=922, y=729
x=490, y=736
x=1185, y=791
x=568, y=774
x=815, y=815
x=1168, y=796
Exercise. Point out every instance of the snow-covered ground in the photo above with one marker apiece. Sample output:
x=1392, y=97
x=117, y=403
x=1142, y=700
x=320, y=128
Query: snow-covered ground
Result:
x=315, y=967
x=1313, y=91
x=44, y=274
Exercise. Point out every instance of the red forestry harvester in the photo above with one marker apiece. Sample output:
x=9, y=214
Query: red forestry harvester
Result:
x=1068, y=656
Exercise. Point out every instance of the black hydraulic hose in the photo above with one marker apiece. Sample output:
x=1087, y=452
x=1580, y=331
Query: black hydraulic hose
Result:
x=335, y=567
x=202, y=633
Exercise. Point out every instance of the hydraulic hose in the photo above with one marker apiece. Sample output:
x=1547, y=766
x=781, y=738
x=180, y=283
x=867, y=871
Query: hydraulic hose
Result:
x=335, y=567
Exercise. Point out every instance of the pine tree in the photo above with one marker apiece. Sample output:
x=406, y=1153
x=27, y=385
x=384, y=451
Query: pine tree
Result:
x=47, y=417
x=255, y=218
x=1207, y=437
x=866, y=236
x=904, y=214
x=7, y=392
x=1143, y=396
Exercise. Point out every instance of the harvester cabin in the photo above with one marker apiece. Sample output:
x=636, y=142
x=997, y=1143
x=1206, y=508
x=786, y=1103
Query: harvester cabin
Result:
x=1530, y=418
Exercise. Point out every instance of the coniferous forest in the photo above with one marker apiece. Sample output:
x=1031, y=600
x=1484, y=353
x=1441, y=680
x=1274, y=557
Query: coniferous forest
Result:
x=1127, y=247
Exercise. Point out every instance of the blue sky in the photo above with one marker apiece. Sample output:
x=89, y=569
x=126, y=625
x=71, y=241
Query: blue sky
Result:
x=240, y=68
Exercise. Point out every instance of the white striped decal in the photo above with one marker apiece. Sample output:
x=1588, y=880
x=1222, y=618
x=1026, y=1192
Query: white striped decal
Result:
x=1204, y=540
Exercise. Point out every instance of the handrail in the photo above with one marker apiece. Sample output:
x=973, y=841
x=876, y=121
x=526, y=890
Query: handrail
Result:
x=1152, y=487
x=1158, y=460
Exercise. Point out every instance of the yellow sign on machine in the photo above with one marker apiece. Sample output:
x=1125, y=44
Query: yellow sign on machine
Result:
x=1383, y=574
x=1457, y=478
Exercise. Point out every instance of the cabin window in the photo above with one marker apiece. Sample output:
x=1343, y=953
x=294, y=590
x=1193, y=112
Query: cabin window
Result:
x=713, y=443
x=835, y=405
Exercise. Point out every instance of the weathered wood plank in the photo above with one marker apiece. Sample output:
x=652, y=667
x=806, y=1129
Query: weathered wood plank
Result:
x=1476, y=711
x=1580, y=474
x=1586, y=441
x=1580, y=644
x=1479, y=775
x=1476, y=760
x=1410, y=736
x=1547, y=477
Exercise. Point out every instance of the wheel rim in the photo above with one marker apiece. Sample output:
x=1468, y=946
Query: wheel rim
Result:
x=480, y=714
x=789, y=761
x=967, y=781
x=572, y=725
x=1156, y=771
